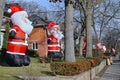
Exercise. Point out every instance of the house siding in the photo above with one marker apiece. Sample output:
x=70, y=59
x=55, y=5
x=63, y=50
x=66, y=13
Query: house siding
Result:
x=39, y=35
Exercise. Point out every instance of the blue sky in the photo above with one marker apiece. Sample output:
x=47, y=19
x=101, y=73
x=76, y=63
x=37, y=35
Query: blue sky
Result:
x=47, y=4
x=44, y=3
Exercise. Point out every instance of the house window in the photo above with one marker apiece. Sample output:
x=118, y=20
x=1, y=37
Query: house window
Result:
x=35, y=46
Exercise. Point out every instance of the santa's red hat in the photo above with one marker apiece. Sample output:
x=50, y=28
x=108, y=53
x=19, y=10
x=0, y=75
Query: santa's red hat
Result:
x=51, y=24
x=98, y=45
x=14, y=8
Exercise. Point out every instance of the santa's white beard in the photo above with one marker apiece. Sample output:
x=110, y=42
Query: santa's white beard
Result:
x=57, y=34
x=17, y=19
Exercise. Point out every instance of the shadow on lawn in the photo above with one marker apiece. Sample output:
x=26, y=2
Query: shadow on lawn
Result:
x=2, y=61
x=48, y=73
x=2, y=57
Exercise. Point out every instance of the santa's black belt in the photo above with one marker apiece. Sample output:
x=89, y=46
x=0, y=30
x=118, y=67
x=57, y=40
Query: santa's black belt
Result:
x=53, y=43
x=18, y=38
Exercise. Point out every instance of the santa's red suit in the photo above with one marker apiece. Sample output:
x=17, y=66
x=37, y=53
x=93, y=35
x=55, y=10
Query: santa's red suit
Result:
x=54, y=36
x=98, y=45
x=101, y=46
x=84, y=47
x=16, y=44
x=53, y=44
x=17, y=41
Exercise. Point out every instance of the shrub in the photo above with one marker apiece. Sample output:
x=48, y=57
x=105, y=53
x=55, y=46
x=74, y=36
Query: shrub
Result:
x=70, y=68
x=3, y=51
x=85, y=64
x=66, y=68
x=94, y=61
x=91, y=62
x=32, y=53
x=97, y=53
x=107, y=54
x=74, y=68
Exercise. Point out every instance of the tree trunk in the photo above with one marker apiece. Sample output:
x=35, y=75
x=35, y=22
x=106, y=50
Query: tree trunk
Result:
x=89, y=32
x=69, y=40
x=2, y=4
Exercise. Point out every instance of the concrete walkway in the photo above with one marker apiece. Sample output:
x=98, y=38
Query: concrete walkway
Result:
x=112, y=72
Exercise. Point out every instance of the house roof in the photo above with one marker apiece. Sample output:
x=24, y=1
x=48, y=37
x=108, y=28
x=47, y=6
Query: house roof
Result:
x=37, y=20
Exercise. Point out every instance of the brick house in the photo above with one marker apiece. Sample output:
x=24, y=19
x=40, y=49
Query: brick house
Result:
x=38, y=38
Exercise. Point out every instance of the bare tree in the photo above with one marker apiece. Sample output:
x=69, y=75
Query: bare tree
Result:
x=56, y=15
x=56, y=12
x=103, y=15
x=36, y=9
x=2, y=5
x=87, y=6
x=111, y=38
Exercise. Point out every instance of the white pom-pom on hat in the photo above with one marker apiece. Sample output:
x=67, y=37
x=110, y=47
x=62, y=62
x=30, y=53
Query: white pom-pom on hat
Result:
x=9, y=11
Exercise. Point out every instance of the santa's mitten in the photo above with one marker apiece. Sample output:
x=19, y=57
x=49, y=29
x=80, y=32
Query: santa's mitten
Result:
x=12, y=34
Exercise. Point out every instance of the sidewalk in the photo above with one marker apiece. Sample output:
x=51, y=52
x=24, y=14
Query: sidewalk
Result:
x=112, y=72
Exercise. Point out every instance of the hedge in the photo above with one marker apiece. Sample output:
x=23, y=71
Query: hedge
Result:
x=74, y=68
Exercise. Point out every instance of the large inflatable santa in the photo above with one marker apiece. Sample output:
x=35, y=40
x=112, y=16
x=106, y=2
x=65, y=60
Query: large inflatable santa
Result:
x=101, y=46
x=17, y=41
x=54, y=37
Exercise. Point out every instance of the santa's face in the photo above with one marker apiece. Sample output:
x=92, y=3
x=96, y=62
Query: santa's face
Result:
x=21, y=19
x=55, y=31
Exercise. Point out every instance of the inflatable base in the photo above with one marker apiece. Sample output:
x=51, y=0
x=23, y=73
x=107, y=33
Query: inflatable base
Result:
x=55, y=54
x=17, y=60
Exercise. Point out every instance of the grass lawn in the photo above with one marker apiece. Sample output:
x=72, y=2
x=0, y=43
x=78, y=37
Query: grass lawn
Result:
x=34, y=69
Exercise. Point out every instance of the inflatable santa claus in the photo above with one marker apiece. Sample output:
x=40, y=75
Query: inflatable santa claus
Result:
x=101, y=46
x=54, y=37
x=17, y=41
